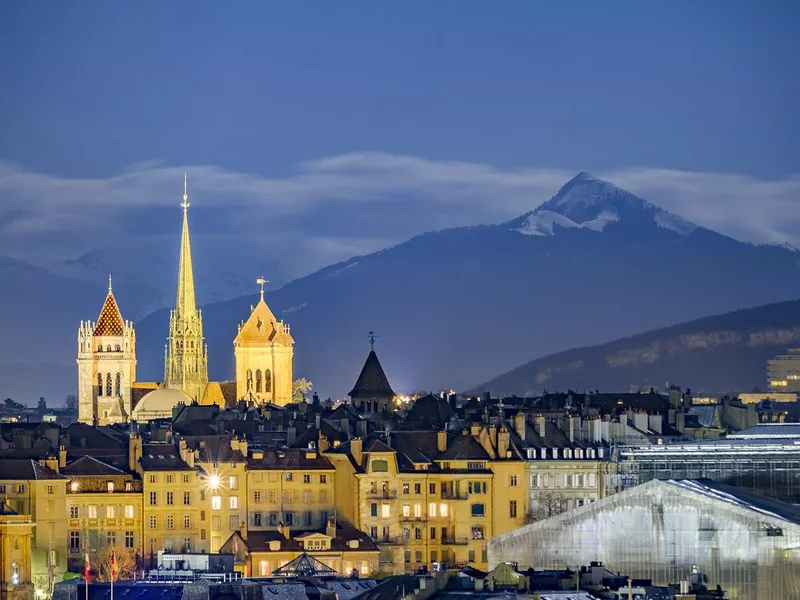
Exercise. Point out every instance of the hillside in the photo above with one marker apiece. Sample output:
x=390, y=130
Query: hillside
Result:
x=725, y=352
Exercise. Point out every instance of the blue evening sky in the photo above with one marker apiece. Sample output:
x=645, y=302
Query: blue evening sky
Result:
x=91, y=88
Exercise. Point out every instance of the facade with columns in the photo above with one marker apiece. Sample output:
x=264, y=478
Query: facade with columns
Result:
x=263, y=350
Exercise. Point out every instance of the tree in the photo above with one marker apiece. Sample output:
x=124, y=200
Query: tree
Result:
x=547, y=504
x=42, y=406
x=71, y=402
x=126, y=563
x=300, y=389
x=13, y=405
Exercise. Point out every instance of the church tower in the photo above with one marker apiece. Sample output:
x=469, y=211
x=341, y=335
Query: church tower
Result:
x=263, y=350
x=106, y=366
x=186, y=354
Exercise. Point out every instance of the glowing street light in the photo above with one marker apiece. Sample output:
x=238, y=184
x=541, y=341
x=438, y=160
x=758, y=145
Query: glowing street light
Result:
x=214, y=482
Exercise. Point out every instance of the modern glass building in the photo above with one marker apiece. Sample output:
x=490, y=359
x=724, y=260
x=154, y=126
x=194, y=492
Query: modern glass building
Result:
x=662, y=530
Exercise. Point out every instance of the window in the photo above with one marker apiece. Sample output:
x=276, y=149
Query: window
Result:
x=185, y=479
x=216, y=502
x=273, y=518
x=129, y=539
x=170, y=522
x=290, y=518
x=117, y=382
x=73, y=487
x=380, y=466
x=433, y=533
x=559, y=480
x=323, y=496
x=216, y=523
x=306, y=496
x=249, y=378
x=534, y=480
x=406, y=510
x=432, y=488
x=418, y=556
x=234, y=502
x=202, y=515
x=21, y=489
x=257, y=519
x=418, y=510
x=432, y=509
x=512, y=509
x=267, y=381
x=73, y=512
x=92, y=512
x=568, y=480
x=111, y=512
x=234, y=522
x=592, y=480
x=407, y=556
x=109, y=486
x=108, y=380
x=100, y=377
x=129, y=511
x=128, y=486
x=153, y=522
x=323, y=478
x=187, y=498
x=49, y=489
x=443, y=510
x=478, y=510
x=373, y=509
x=477, y=532
x=476, y=466
x=74, y=540
x=258, y=380
x=202, y=534
x=471, y=556
x=546, y=480
x=111, y=538
x=307, y=518
x=153, y=478
x=405, y=488
x=512, y=481
x=417, y=533
x=306, y=478
x=152, y=498
x=385, y=511
x=233, y=482
x=169, y=498
x=273, y=496
x=288, y=476
x=187, y=522
x=257, y=497
x=417, y=488
x=373, y=532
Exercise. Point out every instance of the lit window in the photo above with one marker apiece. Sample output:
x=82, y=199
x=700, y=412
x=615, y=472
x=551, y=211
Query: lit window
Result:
x=110, y=486
x=129, y=511
x=443, y=510
x=385, y=511
x=406, y=510
x=111, y=512
x=216, y=502
x=73, y=486
x=432, y=509
x=234, y=502
x=418, y=510
x=233, y=482
x=92, y=512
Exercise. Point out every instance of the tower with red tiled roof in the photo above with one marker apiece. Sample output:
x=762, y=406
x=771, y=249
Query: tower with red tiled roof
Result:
x=106, y=365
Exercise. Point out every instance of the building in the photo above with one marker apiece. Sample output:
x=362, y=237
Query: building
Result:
x=263, y=349
x=16, y=537
x=663, y=530
x=106, y=365
x=372, y=393
x=783, y=372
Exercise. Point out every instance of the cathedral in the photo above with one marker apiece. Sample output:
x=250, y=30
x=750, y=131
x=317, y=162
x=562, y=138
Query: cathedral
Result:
x=108, y=391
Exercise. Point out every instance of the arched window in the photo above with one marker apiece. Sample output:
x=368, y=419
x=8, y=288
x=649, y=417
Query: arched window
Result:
x=258, y=380
x=249, y=380
x=119, y=349
x=117, y=384
x=478, y=510
x=99, y=384
x=108, y=384
x=267, y=380
x=100, y=347
x=108, y=348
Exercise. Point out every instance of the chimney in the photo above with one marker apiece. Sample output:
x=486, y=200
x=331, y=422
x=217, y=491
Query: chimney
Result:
x=538, y=420
x=243, y=446
x=62, y=456
x=519, y=424
x=475, y=429
x=344, y=426
x=502, y=442
x=317, y=420
x=355, y=449
x=134, y=452
x=243, y=530
x=571, y=424
x=51, y=462
x=680, y=421
x=656, y=422
x=291, y=435
x=441, y=441
x=330, y=528
x=322, y=443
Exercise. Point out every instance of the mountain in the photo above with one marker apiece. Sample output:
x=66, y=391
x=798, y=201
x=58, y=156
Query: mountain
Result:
x=458, y=306
x=727, y=352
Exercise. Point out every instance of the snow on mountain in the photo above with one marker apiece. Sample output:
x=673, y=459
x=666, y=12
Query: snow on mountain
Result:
x=587, y=202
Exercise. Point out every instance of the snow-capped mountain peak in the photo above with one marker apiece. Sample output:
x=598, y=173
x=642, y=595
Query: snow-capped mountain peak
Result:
x=587, y=202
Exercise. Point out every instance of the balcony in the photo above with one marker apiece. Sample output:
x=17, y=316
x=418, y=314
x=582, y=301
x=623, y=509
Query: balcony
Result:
x=412, y=519
x=388, y=540
x=382, y=495
x=454, y=541
x=451, y=495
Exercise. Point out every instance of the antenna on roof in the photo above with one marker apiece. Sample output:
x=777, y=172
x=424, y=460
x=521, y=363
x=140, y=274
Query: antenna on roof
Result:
x=372, y=335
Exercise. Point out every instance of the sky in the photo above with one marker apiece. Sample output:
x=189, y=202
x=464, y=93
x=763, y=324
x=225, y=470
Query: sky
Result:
x=314, y=131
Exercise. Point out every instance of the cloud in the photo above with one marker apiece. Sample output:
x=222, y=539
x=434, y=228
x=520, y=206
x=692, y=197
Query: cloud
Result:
x=332, y=206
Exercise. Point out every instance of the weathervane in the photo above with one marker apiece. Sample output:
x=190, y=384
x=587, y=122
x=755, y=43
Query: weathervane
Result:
x=185, y=203
x=109, y=283
x=372, y=335
x=261, y=281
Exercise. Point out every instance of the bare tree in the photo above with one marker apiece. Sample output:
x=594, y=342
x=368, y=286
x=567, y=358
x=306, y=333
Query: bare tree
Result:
x=71, y=402
x=126, y=563
x=547, y=504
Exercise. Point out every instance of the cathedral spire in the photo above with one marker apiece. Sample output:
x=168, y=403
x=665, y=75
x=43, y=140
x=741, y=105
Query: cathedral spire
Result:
x=185, y=303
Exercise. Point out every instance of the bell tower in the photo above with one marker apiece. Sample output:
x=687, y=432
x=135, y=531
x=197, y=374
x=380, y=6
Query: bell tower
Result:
x=106, y=366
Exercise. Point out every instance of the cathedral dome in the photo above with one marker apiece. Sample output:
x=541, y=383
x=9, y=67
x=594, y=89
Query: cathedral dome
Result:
x=158, y=404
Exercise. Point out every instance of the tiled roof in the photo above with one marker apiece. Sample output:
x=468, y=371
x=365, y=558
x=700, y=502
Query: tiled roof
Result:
x=464, y=447
x=377, y=446
x=213, y=448
x=297, y=458
x=258, y=541
x=372, y=381
x=89, y=465
x=162, y=457
x=430, y=411
x=25, y=469
x=110, y=320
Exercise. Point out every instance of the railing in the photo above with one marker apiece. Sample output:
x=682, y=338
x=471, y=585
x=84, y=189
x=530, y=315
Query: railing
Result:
x=413, y=519
x=382, y=495
x=167, y=576
x=388, y=540
x=451, y=495
x=454, y=541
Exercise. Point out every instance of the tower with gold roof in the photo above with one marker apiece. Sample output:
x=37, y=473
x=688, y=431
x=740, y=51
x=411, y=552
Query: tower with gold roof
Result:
x=263, y=350
x=106, y=365
x=186, y=354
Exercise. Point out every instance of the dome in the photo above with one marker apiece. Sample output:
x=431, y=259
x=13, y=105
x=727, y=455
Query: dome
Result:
x=158, y=404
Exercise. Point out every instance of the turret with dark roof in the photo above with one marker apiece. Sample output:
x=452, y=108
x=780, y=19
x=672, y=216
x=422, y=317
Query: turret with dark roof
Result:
x=372, y=391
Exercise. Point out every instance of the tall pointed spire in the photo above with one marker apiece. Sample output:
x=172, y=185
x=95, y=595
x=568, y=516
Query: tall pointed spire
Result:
x=185, y=303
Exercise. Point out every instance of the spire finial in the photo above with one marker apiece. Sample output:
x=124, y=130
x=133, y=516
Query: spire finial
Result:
x=185, y=203
x=372, y=335
x=261, y=281
x=109, y=283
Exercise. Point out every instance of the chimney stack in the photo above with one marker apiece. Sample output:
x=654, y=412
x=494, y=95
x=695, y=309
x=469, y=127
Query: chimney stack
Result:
x=330, y=528
x=134, y=452
x=62, y=456
x=519, y=424
x=243, y=530
x=355, y=449
x=441, y=440
x=502, y=442
x=540, y=425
